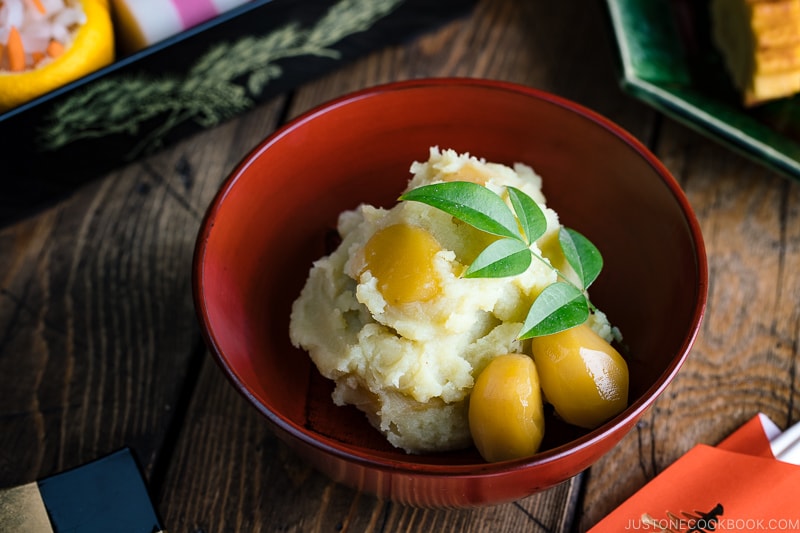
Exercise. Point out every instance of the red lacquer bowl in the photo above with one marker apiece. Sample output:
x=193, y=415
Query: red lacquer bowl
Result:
x=274, y=213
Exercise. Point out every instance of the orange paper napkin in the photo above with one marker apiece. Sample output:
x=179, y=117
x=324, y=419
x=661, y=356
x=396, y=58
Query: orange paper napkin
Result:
x=738, y=485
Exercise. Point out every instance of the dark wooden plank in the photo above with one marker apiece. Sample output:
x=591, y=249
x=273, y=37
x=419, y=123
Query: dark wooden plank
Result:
x=746, y=355
x=228, y=471
x=82, y=320
x=97, y=326
x=560, y=48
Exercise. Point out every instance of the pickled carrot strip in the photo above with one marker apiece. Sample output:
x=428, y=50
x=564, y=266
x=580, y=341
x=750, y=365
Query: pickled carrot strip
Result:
x=36, y=57
x=55, y=48
x=39, y=6
x=16, y=52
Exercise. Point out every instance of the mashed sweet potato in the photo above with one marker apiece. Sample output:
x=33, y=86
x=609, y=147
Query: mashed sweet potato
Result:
x=411, y=365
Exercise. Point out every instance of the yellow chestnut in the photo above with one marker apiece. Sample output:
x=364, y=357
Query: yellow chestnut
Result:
x=506, y=416
x=468, y=172
x=401, y=257
x=582, y=375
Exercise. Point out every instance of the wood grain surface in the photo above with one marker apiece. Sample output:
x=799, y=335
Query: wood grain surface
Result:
x=100, y=348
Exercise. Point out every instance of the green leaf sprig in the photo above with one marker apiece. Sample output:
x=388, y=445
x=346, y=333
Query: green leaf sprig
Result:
x=559, y=306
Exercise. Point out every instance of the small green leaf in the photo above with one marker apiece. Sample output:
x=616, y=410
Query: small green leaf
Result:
x=581, y=254
x=529, y=214
x=502, y=258
x=560, y=306
x=472, y=203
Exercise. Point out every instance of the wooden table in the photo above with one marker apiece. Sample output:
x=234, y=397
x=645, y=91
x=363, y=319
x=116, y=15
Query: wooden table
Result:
x=100, y=348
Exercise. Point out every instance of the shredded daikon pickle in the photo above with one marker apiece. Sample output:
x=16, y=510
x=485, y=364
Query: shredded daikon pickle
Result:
x=43, y=28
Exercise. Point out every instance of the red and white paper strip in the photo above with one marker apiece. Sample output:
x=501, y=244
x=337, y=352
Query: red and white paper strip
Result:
x=144, y=22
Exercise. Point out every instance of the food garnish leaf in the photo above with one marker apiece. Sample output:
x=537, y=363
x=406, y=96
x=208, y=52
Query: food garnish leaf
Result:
x=471, y=203
x=558, y=307
x=504, y=257
x=530, y=215
x=581, y=254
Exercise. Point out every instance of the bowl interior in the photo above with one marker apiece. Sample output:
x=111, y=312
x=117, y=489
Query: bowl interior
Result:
x=277, y=212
